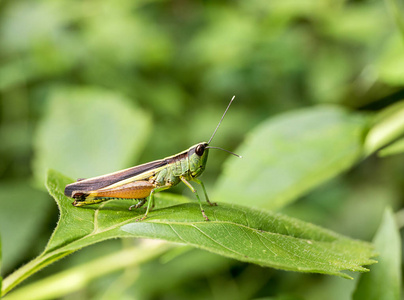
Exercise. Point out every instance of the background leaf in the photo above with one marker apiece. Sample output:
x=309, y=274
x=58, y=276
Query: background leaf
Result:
x=394, y=148
x=288, y=155
x=21, y=222
x=77, y=122
x=391, y=62
x=388, y=125
x=175, y=270
x=60, y=284
x=384, y=280
x=1, y=262
x=397, y=10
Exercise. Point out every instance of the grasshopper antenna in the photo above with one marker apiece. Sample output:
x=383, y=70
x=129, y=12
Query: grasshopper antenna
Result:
x=214, y=132
x=239, y=156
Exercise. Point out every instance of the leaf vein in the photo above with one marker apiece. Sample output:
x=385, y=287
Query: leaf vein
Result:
x=175, y=231
x=213, y=240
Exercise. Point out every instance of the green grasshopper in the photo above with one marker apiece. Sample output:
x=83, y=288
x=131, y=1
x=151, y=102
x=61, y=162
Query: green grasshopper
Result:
x=140, y=182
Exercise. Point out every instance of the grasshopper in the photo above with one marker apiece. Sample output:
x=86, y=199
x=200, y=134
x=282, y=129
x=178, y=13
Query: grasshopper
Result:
x=140, y=182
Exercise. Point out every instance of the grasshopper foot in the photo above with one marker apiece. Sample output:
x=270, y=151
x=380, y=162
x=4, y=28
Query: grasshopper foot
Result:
x=141, y=219
x=77, y=203
x=204, y=215
x=134, y=206
x=211, y=203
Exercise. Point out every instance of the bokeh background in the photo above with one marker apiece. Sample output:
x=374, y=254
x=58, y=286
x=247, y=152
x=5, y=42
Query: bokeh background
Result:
x=89, y=87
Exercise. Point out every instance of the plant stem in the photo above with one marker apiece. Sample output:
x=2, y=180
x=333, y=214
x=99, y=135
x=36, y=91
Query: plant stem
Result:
x=76, y=278
x=30, y=268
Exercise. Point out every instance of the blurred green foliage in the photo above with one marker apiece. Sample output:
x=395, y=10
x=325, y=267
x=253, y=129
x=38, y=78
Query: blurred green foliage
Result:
x=165, y=70
x=387, y=273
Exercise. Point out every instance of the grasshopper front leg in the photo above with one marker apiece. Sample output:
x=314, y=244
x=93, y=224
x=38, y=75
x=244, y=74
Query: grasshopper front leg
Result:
x=204, y=190
x=197, y=196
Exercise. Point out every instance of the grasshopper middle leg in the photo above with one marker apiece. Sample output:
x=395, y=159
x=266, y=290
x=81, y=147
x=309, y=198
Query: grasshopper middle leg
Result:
x=139, y=204
x=150, y=205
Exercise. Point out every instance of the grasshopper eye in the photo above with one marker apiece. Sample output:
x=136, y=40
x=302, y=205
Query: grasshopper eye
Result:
x=200, y=149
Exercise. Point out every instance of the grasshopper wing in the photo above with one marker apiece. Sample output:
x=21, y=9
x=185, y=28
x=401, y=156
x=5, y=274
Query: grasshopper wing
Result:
x=141, y=172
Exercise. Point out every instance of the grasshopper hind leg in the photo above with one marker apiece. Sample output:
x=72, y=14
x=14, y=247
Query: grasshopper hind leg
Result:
x=82, y=199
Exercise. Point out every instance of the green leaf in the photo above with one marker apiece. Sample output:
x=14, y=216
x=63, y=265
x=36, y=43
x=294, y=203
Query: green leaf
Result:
x=238, y=232
x=395, y=148
x=242, y=233
x=80, y=121
x=397, y=11
x=390, y=65
x=388, y=125
x=384, y=280
x=1, y=260
x=324, y=85
x=19, y=236
x=172, y=272
x=289, y=154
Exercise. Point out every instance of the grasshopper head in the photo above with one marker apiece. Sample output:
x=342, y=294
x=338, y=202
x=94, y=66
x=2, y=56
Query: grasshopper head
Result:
x=198, y=155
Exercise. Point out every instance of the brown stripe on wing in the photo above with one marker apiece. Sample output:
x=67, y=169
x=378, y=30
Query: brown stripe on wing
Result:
x=178, y=157
x=99, y=182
